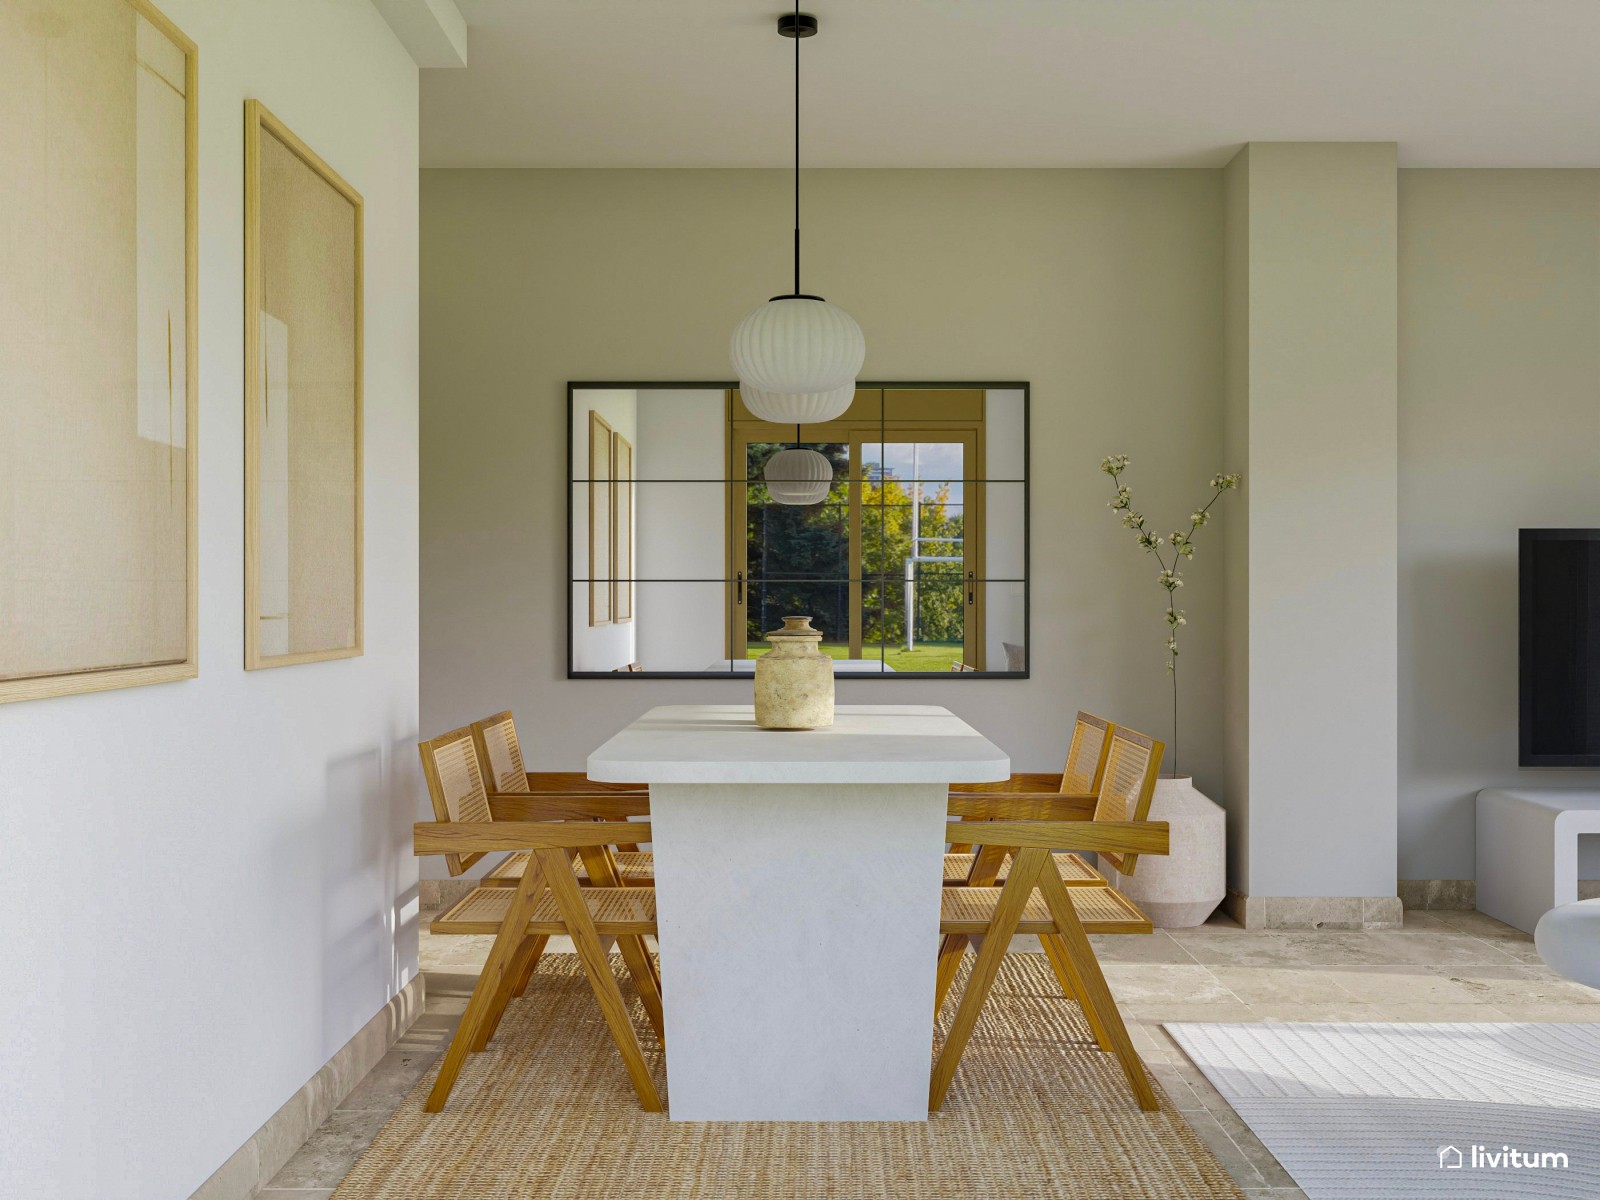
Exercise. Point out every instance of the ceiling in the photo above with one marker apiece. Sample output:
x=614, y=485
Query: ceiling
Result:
x=1016, y=83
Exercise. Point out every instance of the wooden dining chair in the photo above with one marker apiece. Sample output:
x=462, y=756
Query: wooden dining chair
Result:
x=1130, y=766
x=501, y=748
x=455, y=786
x=500, y=761
x=1035, y=900
x=547, y=901
x=453, y=767
x=1081, y=775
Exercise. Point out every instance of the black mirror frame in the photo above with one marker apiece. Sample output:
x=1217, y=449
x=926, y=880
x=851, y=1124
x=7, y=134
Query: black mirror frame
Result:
x=888, y=677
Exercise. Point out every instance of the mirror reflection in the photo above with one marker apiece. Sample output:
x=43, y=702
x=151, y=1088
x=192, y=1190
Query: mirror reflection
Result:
x=900, y=528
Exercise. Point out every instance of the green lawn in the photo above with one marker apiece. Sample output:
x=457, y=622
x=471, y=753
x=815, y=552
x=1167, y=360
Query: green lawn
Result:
x=928, y=656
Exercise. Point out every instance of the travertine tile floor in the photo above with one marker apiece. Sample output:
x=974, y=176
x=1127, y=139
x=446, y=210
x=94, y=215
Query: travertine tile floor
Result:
x=1443, y=966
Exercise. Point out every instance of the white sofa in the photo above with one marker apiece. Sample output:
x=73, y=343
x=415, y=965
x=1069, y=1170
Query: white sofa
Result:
x=1568, y=938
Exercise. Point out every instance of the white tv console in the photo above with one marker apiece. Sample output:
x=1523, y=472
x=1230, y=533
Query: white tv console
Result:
x=1528, y=850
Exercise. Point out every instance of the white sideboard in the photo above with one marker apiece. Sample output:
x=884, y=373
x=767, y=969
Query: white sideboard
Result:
x=1528, y=850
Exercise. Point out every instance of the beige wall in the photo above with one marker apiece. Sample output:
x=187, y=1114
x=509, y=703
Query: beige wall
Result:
x=1499, y=429
x=1107, y=289
x=1100, y=287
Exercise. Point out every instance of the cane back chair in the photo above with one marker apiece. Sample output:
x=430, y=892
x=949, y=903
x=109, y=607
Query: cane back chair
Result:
x=500, y=761
x=1035, y=900
x=1081, y=776
x=544, y=902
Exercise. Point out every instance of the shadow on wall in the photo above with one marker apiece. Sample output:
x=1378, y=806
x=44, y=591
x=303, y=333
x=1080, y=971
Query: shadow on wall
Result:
x=403, y=783
x=1458, y=708
x=369, y=882
x=354, y=937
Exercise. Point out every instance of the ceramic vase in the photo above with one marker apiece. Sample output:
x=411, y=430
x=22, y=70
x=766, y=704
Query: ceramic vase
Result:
x=1182, y=888
x=794, y=680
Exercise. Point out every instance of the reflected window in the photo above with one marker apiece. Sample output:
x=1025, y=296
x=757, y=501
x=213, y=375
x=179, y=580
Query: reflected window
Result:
x=911, y=559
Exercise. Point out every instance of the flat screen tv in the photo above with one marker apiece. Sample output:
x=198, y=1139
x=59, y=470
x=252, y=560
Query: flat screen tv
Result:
x=1559, y=614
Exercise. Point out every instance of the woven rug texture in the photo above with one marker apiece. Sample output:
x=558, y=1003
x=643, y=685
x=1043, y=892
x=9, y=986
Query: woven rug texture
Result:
x=1036, y=1110
x=1416, y=1111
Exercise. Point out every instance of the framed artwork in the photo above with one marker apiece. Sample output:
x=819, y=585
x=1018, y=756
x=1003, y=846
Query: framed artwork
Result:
x=303, y=421
x=622, y=553
x=98, y=383
x=601, y=524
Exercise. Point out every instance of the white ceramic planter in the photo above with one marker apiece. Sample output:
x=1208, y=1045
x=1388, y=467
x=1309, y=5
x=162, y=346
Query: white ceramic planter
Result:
x=1182, y=888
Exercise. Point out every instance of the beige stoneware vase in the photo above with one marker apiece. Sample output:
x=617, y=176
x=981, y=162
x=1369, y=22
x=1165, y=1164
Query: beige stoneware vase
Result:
x=1183, y=888
x=794, y=680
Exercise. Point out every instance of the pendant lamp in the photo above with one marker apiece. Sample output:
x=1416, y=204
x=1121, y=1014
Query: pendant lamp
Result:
x=803, y=408
x=798, y=475
x=797, y=356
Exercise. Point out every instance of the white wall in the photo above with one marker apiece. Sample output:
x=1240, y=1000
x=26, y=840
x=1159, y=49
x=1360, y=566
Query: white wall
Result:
x=682, y=528
x=1004, y=555
x=1321, y=412
x=210, y=882
x=1236, y=534
x=1099, y=287
x=612, y=645
x=1499, y=429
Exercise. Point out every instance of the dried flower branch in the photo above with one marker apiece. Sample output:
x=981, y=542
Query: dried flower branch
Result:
x=1170, y=578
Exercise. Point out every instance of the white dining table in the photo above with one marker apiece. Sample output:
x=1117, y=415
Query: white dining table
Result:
x=798, y=878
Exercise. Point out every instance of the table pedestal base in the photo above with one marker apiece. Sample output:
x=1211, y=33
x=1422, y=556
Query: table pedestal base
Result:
x=799, y=934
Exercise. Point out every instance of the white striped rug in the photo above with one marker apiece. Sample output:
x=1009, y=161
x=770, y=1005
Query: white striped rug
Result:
x=1387, y=1111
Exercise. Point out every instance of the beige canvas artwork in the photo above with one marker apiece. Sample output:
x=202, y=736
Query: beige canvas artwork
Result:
x=303, y=428
x=97, y=348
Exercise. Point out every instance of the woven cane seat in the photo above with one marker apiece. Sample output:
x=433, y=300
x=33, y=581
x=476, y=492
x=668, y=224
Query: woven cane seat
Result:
x=613, y=910
x=637, y=867
x=1101, y=910
x=1074, y=870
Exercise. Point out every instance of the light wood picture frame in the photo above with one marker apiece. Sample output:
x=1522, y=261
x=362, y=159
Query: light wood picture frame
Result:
x=304, y=468
x=602, y=525
x=99, y=418
x=622, y=524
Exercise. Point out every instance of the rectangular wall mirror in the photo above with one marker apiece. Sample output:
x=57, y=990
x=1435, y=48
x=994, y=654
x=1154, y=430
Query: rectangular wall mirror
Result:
x=913, y=561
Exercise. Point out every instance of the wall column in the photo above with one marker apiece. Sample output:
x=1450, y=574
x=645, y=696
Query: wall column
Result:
x=1310, y=681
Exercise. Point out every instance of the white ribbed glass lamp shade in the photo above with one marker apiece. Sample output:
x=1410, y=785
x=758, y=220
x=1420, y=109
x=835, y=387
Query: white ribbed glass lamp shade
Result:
x=803, y=408
x=797, y=346
x=799, y=477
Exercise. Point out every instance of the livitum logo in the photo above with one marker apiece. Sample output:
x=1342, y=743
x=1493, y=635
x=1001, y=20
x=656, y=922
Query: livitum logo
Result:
x=1477, y=1157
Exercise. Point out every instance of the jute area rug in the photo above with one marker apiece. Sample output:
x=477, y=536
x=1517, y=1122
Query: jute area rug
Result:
x=1036, y=1110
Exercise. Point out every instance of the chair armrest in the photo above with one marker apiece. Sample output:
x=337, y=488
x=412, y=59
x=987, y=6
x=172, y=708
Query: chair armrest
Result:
x=1022, y=781
x=1116, y=837
x=1025, y=806
x=574, y=806
x=466, y=837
